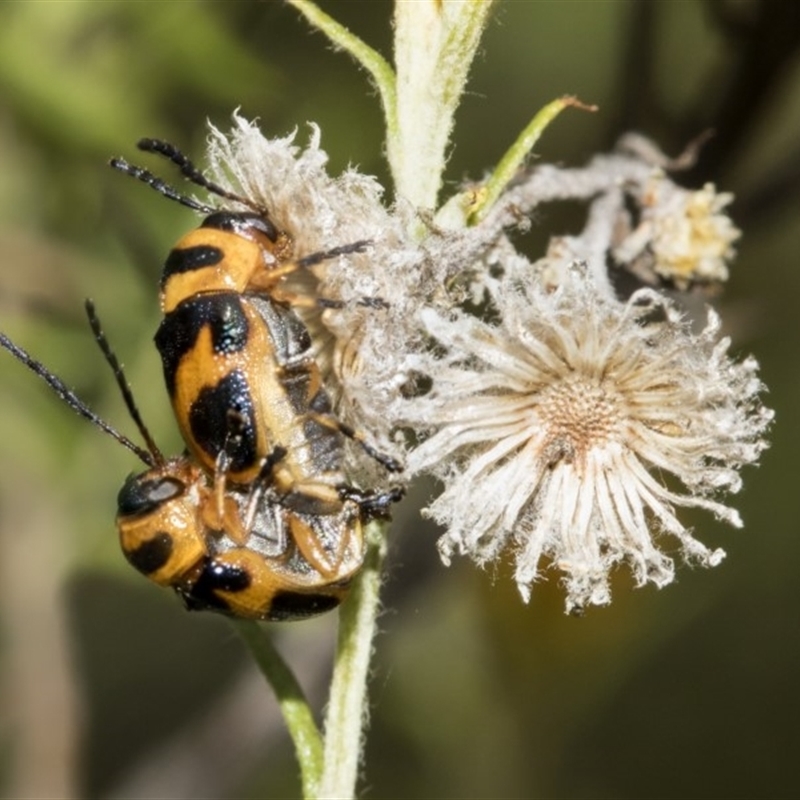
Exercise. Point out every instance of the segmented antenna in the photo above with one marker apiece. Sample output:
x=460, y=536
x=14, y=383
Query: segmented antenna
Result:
x=71, y=399
x=122, y=381
x=190, y=171
x=187, y=169
x=159, y=185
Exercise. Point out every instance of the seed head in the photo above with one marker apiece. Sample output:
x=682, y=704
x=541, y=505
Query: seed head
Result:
x=554, y=431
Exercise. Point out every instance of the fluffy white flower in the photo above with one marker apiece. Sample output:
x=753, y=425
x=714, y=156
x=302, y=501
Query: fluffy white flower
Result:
x=555, y=429
x=318, y=211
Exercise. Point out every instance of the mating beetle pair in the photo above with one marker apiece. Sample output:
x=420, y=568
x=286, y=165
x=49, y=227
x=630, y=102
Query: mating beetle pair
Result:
x=259, y=520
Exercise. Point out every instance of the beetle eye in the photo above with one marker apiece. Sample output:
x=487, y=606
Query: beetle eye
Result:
x=141, y=495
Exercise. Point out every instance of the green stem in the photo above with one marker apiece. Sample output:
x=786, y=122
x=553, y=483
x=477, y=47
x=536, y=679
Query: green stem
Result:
x=372, y=61
x=293, y=704
x=516, y=154
x=347, y=706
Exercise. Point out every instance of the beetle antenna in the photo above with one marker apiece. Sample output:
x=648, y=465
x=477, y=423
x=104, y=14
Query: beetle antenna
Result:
x=122, y=381
x=162, y=187
x=190, y=171
x=72, y=400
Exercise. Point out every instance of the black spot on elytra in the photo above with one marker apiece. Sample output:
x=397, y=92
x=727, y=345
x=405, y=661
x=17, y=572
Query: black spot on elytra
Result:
x=221, y=312
x=152, y=554
x=215, y=576
x=222, y=419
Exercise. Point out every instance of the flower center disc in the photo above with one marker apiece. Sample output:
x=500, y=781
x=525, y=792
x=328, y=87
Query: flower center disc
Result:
x=579, y=414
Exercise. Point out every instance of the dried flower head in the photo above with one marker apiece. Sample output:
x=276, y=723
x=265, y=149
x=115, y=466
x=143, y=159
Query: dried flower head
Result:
x=687, y=233
x=316, y=209
x=555, y=427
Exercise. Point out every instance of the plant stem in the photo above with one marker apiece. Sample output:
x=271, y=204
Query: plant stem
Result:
x=347, y=709
x=376, y=65
x=293, y=704
x=514, y=157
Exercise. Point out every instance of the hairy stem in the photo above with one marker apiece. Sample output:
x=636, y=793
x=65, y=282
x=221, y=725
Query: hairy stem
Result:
x=373, y=62
x=347, y=710
x=293, y=704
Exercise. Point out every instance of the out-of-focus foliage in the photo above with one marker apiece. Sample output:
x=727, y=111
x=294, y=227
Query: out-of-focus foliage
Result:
x=109, y=688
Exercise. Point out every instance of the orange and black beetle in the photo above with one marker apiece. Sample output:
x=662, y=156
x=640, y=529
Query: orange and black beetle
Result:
x=238, y=361
x=242, y=553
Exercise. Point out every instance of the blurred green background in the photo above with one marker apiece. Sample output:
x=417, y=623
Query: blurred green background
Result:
x=109, y=689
